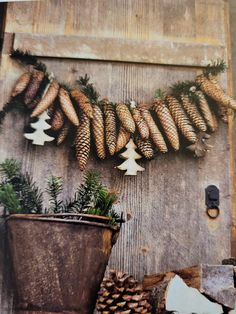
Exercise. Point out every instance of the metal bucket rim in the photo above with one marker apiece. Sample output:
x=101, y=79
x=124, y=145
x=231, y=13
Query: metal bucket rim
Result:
x=51, y=218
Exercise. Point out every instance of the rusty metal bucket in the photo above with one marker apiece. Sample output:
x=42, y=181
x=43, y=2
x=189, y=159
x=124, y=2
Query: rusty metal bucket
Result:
x=58, y=261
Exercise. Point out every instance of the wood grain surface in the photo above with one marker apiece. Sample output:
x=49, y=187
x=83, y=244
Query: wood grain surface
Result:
x=168, y=227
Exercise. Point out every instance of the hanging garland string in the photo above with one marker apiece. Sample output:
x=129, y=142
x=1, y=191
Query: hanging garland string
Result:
x=180, y=118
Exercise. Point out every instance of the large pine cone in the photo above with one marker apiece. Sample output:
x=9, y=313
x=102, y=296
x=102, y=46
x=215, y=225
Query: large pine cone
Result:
x=206, y=111
x=120, y=293
x=83, y=102
x=140, y=123
x=98, y=131
x=33, y=86
x=193, y=113
x=212, y=88
x=21, y=84
x=125, y=117
x=155, y=133
x=180, y=119
x=67, y=106
x=144, y=146
x=167, y=123
x=110, y=126
x=82, y=142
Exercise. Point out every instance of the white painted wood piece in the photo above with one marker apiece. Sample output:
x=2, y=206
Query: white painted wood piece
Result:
x=130, y=164
x=39, y=137
x=182, y=299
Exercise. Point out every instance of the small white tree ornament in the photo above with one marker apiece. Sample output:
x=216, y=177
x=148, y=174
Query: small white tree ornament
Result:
x=39, y=137
x=130, y=164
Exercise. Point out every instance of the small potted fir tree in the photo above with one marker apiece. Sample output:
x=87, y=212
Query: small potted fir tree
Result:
x=59, y=254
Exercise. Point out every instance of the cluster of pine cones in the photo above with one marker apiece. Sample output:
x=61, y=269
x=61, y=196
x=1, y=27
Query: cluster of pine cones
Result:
x=183, y=112
x=120, y=293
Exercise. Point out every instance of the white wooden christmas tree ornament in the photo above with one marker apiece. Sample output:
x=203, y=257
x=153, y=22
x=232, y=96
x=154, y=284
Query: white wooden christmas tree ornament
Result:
x=130, y=164
x=39, y=137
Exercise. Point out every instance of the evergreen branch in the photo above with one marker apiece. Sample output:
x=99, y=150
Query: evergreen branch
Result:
x=66, y=86
x=159, y=94
x=88, y=89
x=54, y=189
x=9, y=199
x=187, y=88
x=10, y=168
x=215, y=67
x=25, y=57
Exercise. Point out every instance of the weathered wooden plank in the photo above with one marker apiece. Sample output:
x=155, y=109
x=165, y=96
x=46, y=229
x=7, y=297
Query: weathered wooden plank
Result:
x=125, y=50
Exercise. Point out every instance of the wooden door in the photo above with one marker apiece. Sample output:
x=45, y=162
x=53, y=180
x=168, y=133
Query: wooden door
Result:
x=129, y=49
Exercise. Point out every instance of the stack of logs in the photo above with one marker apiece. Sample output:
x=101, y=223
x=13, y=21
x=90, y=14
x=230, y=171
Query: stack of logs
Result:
x=202, y=289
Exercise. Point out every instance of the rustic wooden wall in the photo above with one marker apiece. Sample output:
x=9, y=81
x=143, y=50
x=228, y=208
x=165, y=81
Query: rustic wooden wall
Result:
x=168, y=227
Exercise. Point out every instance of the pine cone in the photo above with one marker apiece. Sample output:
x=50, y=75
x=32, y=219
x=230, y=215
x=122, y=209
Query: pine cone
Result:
x=140, y=123
x=125, y=117
x=57, y=120
x=21, y=84
x=145, y=147
x=33, y=86
x=98, y=131
x=193, y=113
x=47, y=100
x=180, y=119
x=206, y=111
x=110, y=126
x=213, y=90
x=155, y=134
x=63, y=133
x=122, y=139
x=121, y=293
x=83, y=102
x=167, y=123
x=82, y=142
x=67, y=106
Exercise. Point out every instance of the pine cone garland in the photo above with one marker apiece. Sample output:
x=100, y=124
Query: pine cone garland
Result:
x=63, y=133
x=98, y=131
x=21, y=84
x=125, y=117
x=82, y=142
x=155, y=134
x=193, y=113
x=121, y=293
x=83, y=102
x=67, y=106
x=47, y=100
x=206, y=111
x=110, y=126
x=122, y=139
x=140, y=123
x=180, y=119
x=167, y=122
x=33, y=86
x=145, y=147
x=57, y=120
x=213, y=90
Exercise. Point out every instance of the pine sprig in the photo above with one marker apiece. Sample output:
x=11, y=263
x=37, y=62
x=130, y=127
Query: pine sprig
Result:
x=159, y=94
x=9, y=199
x=25, y=190
x=9, y=169
x=27, y=58
x=88, y=89
x=187, y=88
x=54, y=189
x=215, y=67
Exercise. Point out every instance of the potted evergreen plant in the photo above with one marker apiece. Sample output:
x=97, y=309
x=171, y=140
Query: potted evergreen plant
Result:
x=59, y=254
